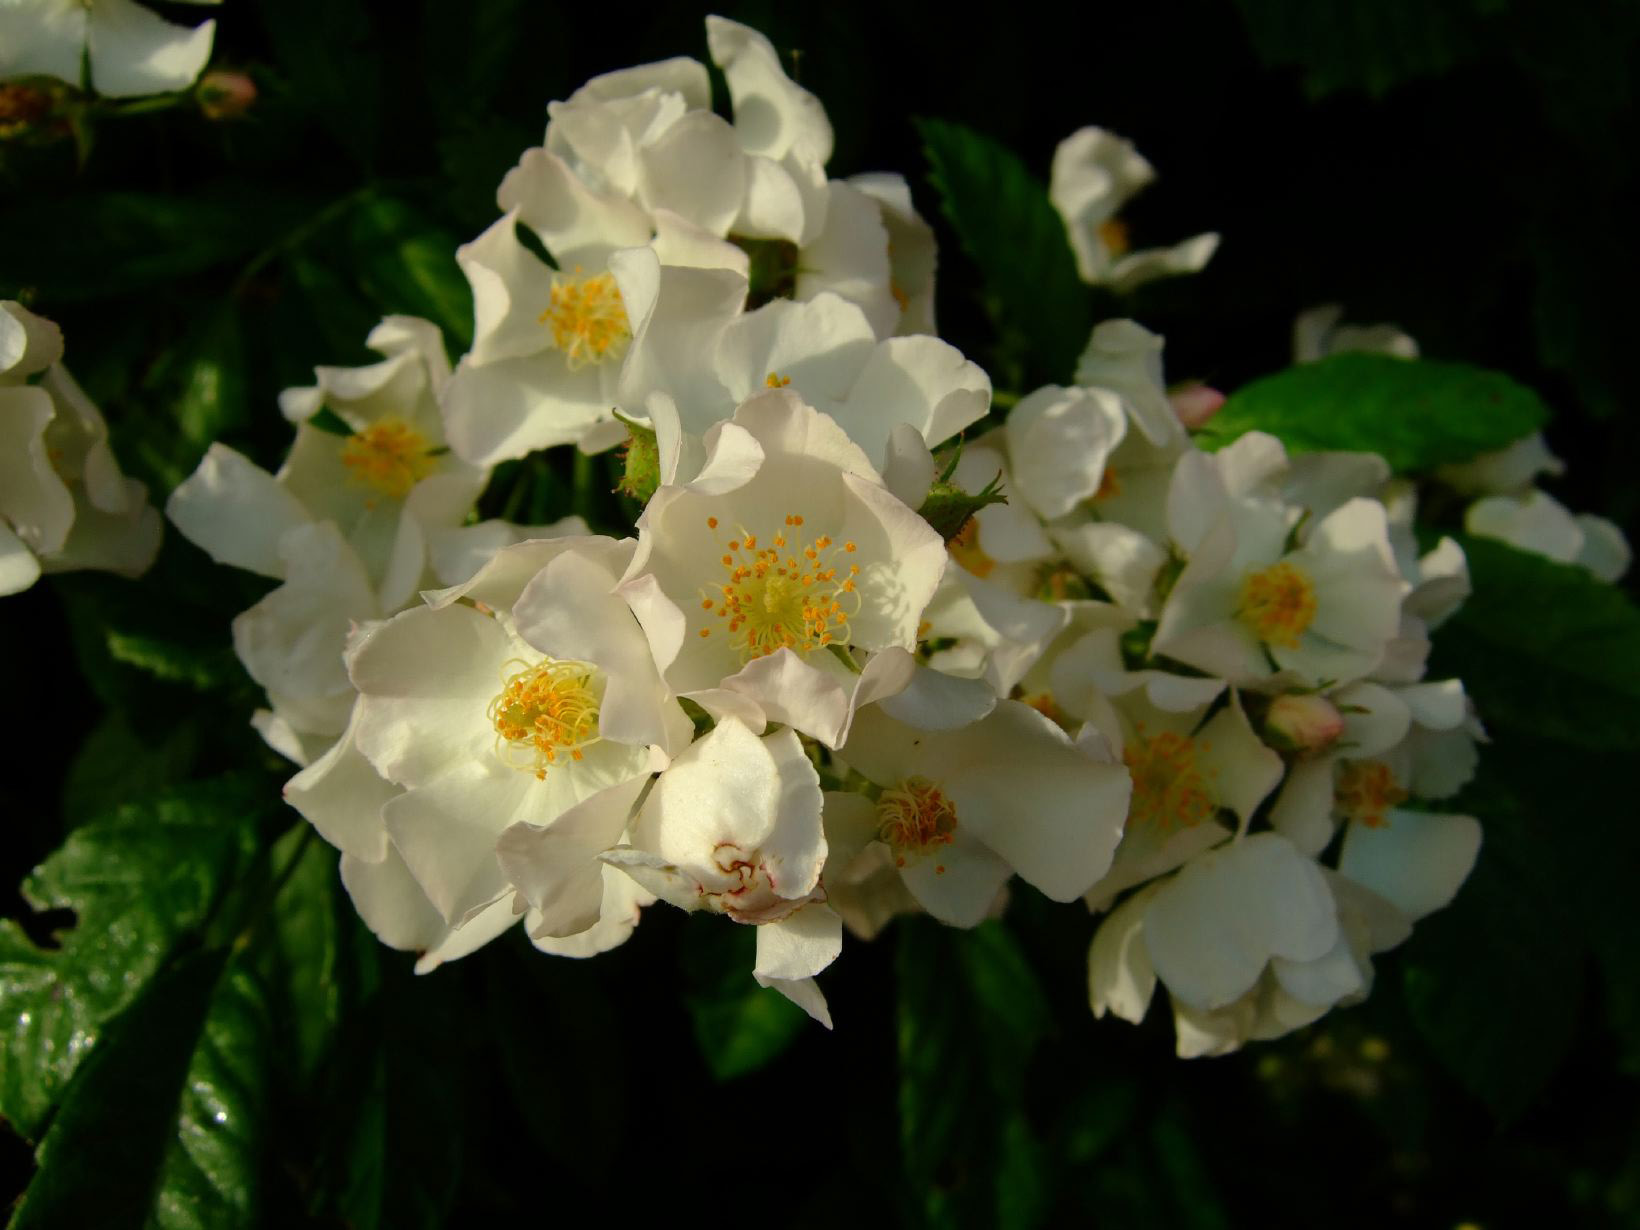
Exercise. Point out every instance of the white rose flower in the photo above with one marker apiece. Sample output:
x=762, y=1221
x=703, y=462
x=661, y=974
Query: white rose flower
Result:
x=1541, y=524
x=961, y=809
x=783, y=552
x=1094, y=174
x=129, y=49
x=733, y=827
x=1246, y=606
x=390, y=486
x=1320, y=332
x=64, y=504
x=1192, y=761
x=480, y=706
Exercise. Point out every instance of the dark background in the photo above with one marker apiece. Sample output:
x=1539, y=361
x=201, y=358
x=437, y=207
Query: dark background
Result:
x=1465, y=170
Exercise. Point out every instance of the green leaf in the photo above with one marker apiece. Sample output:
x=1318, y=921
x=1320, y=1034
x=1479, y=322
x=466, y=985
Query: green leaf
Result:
x=162, y=1127
x=140, y=881
x=739, y=1026
x=102, y=245
x=1494, y=984
x=1415, y=413
x=201, y=667
x=407, y=264
x=1545, y=648
x=970, y=1014
x=1006, y=223
x=298, y=956
x=393, y=1157
x=119, y=761
x=199, y=395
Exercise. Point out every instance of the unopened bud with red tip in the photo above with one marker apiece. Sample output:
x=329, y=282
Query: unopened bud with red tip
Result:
x=1195, y=403
x=224, y=95
x=1297, y=723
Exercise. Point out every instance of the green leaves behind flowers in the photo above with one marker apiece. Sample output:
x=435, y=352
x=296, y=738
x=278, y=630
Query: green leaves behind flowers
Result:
x=163, y=1126
x=971, y=1013
x=1416, y=413
x=1016, y=238
x=1545, y=648
x=141, y=881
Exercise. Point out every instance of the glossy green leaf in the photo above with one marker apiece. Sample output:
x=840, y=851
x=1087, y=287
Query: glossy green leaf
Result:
x=1016, y=238
x=140, y=881
x=163, y=1125
x=1415, y=413
x=1545, y=648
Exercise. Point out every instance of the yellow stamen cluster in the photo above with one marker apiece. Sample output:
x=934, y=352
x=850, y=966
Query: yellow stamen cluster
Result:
x=389, y=455
x=775, y=380
x=1277, y=603
x=588, y=319
x=545, y=711
x=915, y=817
x=1366, y=791
x=1169, y=790
x=788, y=593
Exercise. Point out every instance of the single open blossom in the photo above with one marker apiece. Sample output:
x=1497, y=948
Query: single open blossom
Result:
x=1248, y=604
x=390, y=485
x=963, y=808
x=782, y=555
x=488, y=714
x=1095, y=173
x=733, y=827
x=64, y=504
x=129, y=49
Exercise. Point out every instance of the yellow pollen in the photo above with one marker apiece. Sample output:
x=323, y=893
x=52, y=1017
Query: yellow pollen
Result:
x=1113, y=233
x=1109, y=485
x=965, y=549
x=776, y=381
x=773, y=599
x=389, y=455
x=1169, y=790
x=587, y=318
x=915, y=817
x=1366, y=791
x=544, y=713
x=1278, y=604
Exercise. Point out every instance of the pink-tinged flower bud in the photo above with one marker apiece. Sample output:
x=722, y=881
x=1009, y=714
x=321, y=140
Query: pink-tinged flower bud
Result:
x=225, y=95
x=1195, y=403
x=1302, y=723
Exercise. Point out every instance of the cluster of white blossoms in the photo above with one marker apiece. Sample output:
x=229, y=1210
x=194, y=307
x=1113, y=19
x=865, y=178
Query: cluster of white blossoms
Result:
x=64, y=504
x=812, y=687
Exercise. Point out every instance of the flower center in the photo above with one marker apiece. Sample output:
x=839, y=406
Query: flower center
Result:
x=792, y=593
x=1169, y=790
x=1277, y=603
x=965, y=549
x=1366, y=791
x=389, y=455
x=588, y=319
x=915, y=817
x=1113, y=233
x=544, y=712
